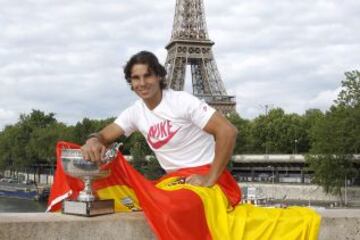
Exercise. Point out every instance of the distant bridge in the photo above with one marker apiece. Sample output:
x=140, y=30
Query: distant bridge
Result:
x=282, y=168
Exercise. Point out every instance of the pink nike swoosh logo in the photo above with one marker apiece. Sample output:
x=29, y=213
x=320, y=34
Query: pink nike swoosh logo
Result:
x=161, y=143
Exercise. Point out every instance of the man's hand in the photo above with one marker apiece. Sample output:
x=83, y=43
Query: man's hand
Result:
x=93, y=150
x=200, y=180
x=95, y=147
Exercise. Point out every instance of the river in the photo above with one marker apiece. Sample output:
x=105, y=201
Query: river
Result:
x=21, y=205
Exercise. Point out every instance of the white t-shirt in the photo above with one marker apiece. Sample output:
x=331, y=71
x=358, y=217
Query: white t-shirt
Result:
x=173, y=129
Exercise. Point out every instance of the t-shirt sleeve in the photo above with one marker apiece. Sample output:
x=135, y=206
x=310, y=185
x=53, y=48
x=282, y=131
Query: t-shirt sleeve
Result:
x=199, y=111
x=126, y=121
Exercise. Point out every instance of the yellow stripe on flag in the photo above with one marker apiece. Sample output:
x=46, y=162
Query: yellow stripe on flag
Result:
x=124, y=197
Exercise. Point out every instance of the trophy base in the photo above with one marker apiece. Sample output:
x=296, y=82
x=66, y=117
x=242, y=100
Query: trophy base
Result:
x=88, y=209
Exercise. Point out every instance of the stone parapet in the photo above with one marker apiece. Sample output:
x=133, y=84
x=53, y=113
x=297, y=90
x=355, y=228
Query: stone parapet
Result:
x=337, y=224
x=47, y=226
x=340, y=224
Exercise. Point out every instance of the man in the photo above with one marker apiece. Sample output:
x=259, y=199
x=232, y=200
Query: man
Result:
x=181, y=130
x=192, y=142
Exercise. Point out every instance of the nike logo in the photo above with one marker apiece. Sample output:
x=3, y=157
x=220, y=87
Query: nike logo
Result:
x=162, y=133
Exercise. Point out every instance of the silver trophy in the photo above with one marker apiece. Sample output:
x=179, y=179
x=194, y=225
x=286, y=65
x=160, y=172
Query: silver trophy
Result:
x=87, y=204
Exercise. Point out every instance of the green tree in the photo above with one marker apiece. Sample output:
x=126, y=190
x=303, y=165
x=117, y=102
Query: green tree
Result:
x=350, y=94
x=335, y=138
x=150, y=166
x=243, y=138
x=278, y=132
x=41, y=146
x=138, y=152
x=331, y=153
x=15, y=150
x=7, y=147
x=311, y=119
x=82, y=129
x=25, y=128
x=153, y=169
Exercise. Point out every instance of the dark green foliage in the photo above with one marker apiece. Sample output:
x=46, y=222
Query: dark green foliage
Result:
x=149, y=167
x=138, y=153
x=7, y=141
x=19, y=143
x=350, y=93
x=278, y=132
x=153, y=169
x=243, y=138
x=335, y=138
x=312, y=118
x=331, y=171
x=32, y=140
x=82, y=129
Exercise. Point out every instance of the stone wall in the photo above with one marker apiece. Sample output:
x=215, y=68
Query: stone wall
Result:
x=48, y=226
x=336, y=224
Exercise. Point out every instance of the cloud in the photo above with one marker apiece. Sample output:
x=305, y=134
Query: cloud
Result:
x=286, y=54
x=66, y=57
x=7, y=116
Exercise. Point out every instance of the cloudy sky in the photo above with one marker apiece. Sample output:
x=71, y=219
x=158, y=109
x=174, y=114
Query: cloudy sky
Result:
x=66, y=56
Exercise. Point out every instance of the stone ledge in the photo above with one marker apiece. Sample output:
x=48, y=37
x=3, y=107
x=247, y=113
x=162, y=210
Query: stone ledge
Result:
x=337, y=224
x=44, y=226
x=340, y=224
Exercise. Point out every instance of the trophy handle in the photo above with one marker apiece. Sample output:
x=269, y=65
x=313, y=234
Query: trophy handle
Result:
x=111, y=152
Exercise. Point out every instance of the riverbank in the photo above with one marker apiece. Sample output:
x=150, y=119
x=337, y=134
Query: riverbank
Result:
x=15, y=205
x=31, y=191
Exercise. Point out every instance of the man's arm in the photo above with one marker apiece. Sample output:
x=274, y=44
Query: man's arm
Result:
x=95, y=146
x=225, y=137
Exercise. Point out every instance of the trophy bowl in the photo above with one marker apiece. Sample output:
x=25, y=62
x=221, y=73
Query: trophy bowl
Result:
x=75, y=166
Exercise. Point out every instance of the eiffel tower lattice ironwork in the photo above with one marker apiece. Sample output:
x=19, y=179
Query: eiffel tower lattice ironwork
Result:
x=190, y=45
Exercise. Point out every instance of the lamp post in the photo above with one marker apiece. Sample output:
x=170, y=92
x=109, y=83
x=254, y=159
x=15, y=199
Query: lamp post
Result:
x=345, y=192
x=271, y=168
x=266, y=107
x=295, y=146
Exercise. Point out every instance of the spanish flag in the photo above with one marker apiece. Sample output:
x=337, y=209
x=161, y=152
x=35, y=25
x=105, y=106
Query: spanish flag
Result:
x=176, y=210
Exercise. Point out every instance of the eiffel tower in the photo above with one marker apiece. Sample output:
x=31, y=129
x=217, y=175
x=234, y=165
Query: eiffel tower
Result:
x=190, y=45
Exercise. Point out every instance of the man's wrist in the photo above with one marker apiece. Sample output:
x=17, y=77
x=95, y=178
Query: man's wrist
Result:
x=96, y=136
x=213, y=175
x=211, y=180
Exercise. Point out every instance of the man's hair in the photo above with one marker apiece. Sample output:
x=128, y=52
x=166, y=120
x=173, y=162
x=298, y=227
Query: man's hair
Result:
x=149, y=59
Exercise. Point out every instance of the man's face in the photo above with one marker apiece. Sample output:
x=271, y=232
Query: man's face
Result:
x=145, y=83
